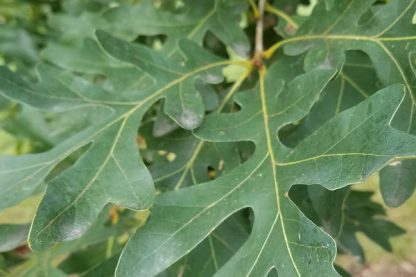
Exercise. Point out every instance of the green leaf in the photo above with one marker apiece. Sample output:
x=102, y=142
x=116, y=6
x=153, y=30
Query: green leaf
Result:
x=340, y=153
x=104, y=269
x=25, y=52
x=215, y=250
x=398, y=182
x=45, y=262
x=236, y=174
x=88, y=58
x=179, y=160
x=356, y=81
x=364, y=216
x=111, y=160
x=12, y=236
x=379, y=31
x=192, y=20
x=351, y=212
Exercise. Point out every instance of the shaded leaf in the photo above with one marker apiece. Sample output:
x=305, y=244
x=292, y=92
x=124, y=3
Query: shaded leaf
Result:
x=379, y=31
x=12, y=236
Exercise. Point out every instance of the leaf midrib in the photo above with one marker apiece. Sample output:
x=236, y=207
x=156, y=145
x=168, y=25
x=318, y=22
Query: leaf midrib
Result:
x=273, y=161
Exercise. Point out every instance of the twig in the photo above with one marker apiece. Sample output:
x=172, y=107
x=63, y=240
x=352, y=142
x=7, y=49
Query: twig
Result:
x=259, y=28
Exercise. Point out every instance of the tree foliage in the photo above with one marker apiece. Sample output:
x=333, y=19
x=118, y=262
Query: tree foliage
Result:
x=219, y=137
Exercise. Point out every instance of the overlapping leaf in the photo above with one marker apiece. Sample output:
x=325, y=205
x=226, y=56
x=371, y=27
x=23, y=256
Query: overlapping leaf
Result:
x=13, y=235
x=180, y=159
x=351, y=212
x=111, y=169
x=387, y=35
x=356, y=81
x=215, y=250
x=190, y=19
x=342, y=152
x=116, y=82
x=44, y=263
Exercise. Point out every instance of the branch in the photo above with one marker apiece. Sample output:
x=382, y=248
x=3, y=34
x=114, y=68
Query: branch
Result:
x=259, y=28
